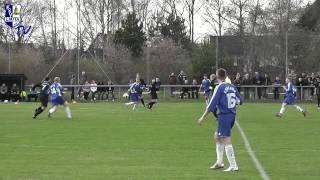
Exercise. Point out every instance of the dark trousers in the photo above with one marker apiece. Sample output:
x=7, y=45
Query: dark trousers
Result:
x=3, y=97
x=276, y=93
x=194, y=94
x=110, y=95
x=259, y=92
x=72, y=93
x=100, y=95
x=172, y=89
x=14, y=97
x=86, y=95
x=246, y=93
x=183, y=94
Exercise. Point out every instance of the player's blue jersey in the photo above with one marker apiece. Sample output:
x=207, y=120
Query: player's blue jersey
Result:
x=224, y=99
x=136, y=88
x=291, y=90
x=206, y=85
x=55, y=90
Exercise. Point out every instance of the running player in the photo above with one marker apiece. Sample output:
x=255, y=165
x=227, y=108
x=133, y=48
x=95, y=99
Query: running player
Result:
x=153, y=93
x=56, y=91
x=223, y=101
x=43, y=96
x=290, y=98
x=134, y=95
x=205, y=85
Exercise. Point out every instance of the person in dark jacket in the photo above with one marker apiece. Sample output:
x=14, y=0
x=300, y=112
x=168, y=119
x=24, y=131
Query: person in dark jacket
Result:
x=14, y=93
x=237, y=81
x=101, y=90
x=153, y=94
x=44, y=97
x=3, y=92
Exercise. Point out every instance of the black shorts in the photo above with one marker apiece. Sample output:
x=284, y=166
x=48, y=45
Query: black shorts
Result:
x=154, y=95
x=44, y=99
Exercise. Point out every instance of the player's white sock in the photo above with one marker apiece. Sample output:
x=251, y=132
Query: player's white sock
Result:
x=219, y=150
x=129, y=103
x=230, y=155
x=53, y=109
x=298, y=108
x=68, y=111
x=283, y=108
x=134, y=106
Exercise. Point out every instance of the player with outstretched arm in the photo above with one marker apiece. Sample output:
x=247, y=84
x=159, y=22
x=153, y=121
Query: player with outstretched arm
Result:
x=290, y=98
x=223, y=103
x=56, y=91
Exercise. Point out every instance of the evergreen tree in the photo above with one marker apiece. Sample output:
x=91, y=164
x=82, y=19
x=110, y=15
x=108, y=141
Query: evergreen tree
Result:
x=131, y=35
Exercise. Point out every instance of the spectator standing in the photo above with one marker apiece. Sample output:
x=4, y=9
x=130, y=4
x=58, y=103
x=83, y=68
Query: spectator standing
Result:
x=257, y=80
x=93, y=90
x=318, y=91
x=237, y=81
x=86, y=90
x=172, y=81
x=3, y=92
x=312, y=82
x=194, y=89
x=213, y=82
x=277, y=85
x=110, y=91
x=101, y=90
x=72, y=82
x=246, y=82
x=83, y=80
x=14, y=93
x=182, y=77
x=185, y=90
x=266, y=82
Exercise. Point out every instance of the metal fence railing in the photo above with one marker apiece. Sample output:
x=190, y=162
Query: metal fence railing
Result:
x=249, y=92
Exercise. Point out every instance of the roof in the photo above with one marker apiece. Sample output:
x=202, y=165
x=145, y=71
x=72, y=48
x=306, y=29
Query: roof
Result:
x=13, y=76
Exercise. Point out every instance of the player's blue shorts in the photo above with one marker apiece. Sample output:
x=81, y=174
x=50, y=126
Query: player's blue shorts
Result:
x=57, y=101
x=134, y=97
x=206, y=93
x=225, y=124
x=290, y=100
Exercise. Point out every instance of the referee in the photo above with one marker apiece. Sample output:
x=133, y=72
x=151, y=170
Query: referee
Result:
x=44, y=96
x=153, y=93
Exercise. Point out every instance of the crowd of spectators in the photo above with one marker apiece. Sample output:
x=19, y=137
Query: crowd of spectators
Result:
x=256, y=85
x=11, y=93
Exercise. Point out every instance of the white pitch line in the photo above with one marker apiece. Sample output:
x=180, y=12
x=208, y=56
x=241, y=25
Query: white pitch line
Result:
x=259, y=167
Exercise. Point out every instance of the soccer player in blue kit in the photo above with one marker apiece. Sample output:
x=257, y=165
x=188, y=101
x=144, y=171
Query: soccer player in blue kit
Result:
x=56, y=91
x=223, y=102
x=290, y=98
x=205, y=85
x=134, y=90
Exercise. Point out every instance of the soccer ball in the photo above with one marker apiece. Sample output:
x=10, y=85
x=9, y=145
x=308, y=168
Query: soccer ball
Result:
x=125, y=95
x=5, y=101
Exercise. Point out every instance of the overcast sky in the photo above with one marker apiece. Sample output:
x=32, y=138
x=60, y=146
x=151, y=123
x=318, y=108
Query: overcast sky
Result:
x=202, y=29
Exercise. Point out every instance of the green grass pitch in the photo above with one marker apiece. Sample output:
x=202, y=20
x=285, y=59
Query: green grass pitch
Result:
x=109, y=141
